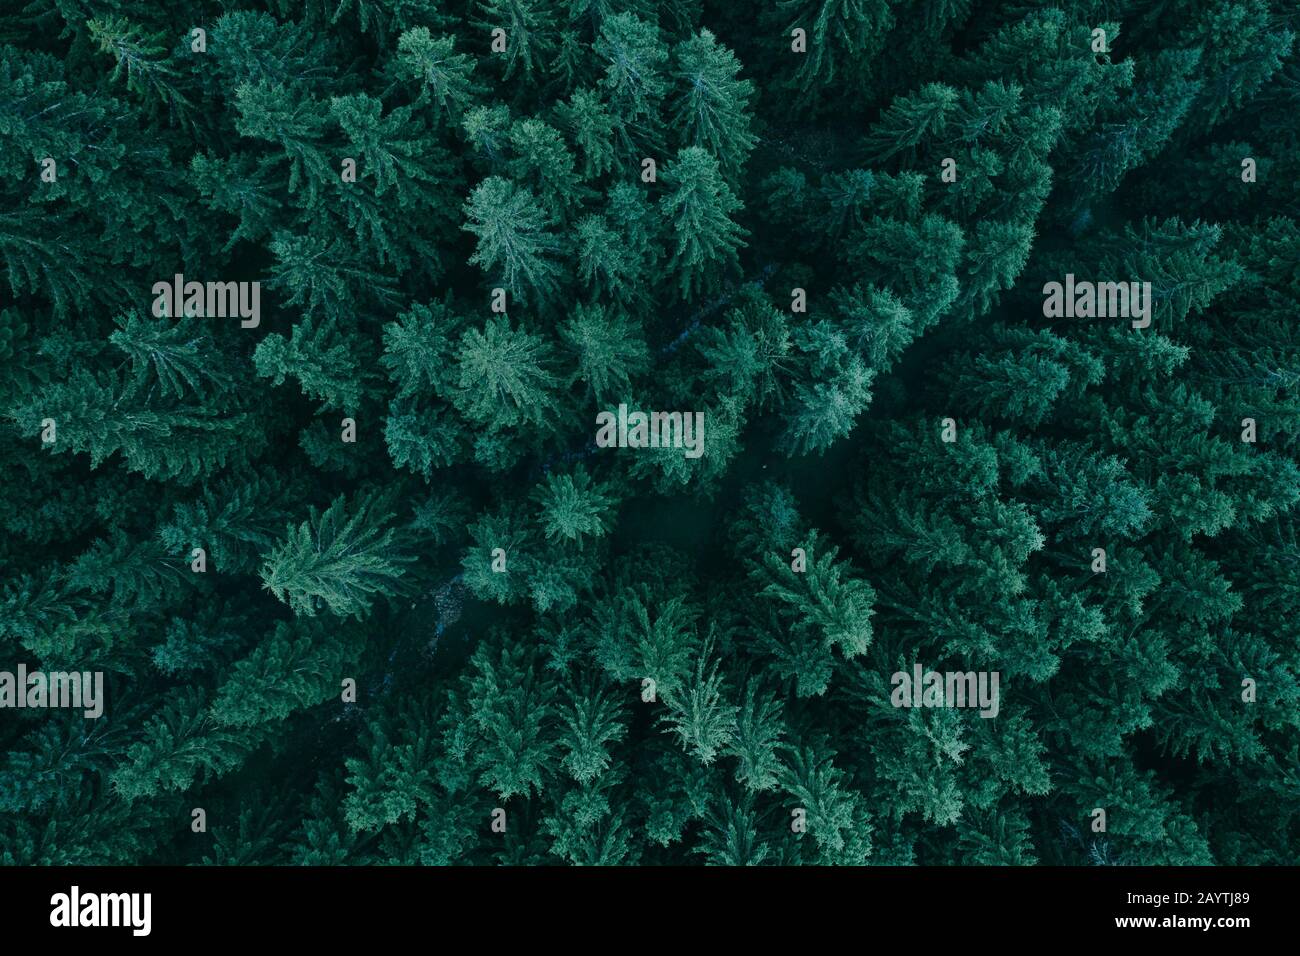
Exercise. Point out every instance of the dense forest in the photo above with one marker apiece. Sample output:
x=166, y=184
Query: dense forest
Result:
x=366, y=586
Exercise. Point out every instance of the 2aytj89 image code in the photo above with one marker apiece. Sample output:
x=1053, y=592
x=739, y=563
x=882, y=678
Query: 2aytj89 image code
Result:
x=648, y=434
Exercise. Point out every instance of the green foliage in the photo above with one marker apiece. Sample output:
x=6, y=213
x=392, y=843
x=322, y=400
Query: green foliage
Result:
x=335, y=561
x=514, y=239
x=698, y=209
x=361, y=642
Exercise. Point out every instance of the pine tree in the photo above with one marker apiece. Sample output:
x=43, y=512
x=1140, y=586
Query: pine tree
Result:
x=698, y=208
x=335, y=560
x=505, y=376
x=514, y=238
x=711, y=103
